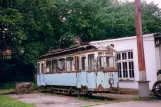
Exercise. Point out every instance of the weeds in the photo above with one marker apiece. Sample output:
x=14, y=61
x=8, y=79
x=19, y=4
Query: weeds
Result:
x=10, y=102
x=6, y=91
x=83, y=98
x=86, y=106
x=136, y=98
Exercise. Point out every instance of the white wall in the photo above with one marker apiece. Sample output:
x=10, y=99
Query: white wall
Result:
x=129, y=43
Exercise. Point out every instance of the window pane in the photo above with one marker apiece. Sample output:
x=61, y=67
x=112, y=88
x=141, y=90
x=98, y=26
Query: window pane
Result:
x=54, y=64
x=42, y=68
x=124, y=56
x=100, y=62
x=125, y=74
x=131, y=69
x=61, y=65
x=119, y=70
x=107, y=62
x=69, y=63
x=130, y=55
x=48, y=66
x=83, y=62
x=91, y=62
x=38, y=68
x=118, y=56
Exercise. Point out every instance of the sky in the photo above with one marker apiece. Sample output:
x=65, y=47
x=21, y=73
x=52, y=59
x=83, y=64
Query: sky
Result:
x=148, y=1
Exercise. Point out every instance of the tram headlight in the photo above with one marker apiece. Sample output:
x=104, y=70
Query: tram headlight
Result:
x=111, y=81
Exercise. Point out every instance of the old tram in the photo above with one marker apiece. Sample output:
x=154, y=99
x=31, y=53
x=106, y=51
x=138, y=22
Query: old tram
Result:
x=82, y=69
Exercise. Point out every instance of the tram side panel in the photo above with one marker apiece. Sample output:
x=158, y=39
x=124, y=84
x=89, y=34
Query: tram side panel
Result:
x=86, y=80
x=97, y=81
x=40, y=80
x=61, y=79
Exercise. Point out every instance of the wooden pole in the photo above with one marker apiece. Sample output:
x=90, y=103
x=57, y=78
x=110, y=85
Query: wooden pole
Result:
x=143, y=83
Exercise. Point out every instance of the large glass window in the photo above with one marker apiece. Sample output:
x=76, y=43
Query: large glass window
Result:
x=125, y=64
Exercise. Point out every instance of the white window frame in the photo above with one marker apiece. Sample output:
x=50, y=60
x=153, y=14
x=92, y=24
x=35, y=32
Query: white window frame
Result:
x=126, y=60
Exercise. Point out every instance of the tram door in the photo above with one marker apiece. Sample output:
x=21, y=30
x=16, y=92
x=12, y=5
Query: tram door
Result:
x=40, y=73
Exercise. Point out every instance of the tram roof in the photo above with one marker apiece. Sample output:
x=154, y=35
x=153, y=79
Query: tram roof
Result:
x=73, y=48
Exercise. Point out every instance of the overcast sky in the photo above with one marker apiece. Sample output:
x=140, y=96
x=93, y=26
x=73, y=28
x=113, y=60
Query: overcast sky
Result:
x=148, y=1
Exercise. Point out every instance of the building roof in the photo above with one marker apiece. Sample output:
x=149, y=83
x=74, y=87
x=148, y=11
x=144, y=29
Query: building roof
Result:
x=123, y=38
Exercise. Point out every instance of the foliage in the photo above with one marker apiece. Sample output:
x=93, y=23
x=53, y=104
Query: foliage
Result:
x=6, y=101
x=7, y=86
x=31, y=27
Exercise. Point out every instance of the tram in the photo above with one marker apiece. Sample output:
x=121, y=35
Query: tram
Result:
x=81, y=68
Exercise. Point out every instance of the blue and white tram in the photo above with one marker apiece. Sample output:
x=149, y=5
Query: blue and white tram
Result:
x=81, y=68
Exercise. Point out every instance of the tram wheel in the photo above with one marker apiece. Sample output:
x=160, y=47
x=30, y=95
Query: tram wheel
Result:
x=89, y=94
x=157, y=88
x=70, y=91
x=51, y=89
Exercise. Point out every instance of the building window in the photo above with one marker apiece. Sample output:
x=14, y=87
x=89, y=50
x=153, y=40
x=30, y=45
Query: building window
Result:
x=125, y=65
x=6, y=55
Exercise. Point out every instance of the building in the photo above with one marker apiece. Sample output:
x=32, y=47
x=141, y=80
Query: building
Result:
x=6, y=55
x=127, y=59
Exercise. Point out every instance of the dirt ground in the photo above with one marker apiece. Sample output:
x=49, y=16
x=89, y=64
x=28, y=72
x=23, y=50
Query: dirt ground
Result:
x=62, y=100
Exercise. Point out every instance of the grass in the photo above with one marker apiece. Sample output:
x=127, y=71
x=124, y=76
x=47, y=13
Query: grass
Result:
x=94, y=100
x=83, y=98
x=136, y=99
x=86, y=106
x=7, y=91
x=105, y=101
x=6, y=101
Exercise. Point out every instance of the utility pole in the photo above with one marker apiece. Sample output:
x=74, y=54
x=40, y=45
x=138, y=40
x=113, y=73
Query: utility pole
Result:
x=143, y=84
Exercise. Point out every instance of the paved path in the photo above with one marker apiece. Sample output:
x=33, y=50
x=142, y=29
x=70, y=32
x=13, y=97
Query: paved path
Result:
x=110, y=100
x=153, y=103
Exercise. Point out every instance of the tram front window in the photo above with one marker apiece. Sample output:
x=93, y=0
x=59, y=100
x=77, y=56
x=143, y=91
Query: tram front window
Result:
x=105, y=62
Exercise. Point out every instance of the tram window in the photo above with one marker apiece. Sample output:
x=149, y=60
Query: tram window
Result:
x=42, y=68
x=91, y=62
x=38, y=68
x=69, y=64
x=61, y=65
x=104, y=61
x=111, y=62
x=48, y=66
x=76, y=63
x=100, y=62
x=83, y=59
x=54, y=63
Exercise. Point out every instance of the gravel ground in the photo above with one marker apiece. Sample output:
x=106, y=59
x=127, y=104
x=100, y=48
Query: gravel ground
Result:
x=59, y=100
